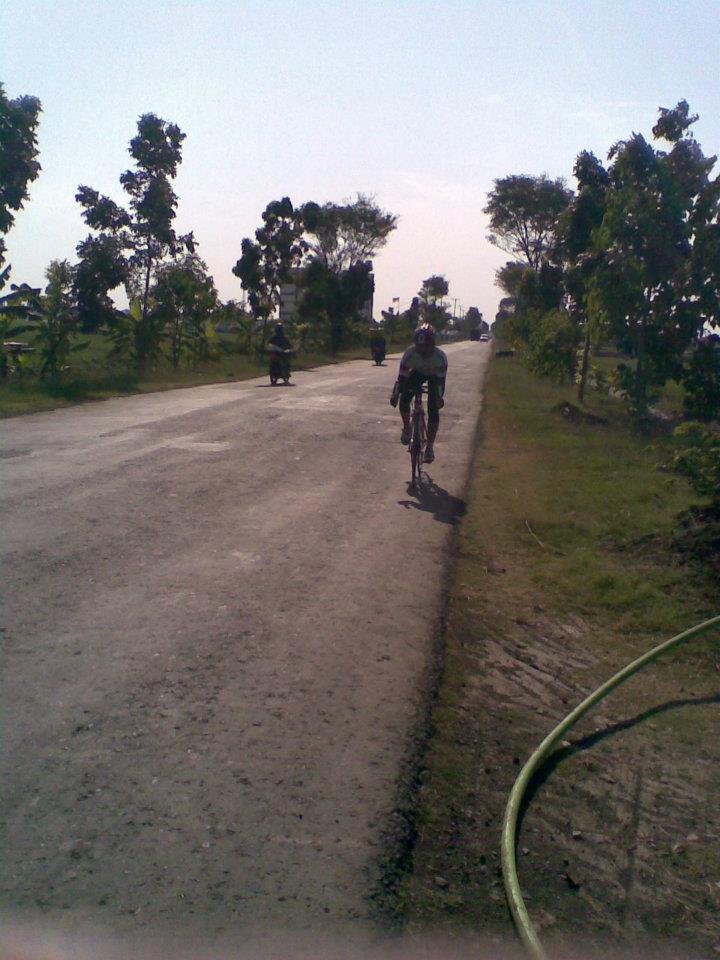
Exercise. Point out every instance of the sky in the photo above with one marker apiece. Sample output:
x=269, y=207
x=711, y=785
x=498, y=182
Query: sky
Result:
x=420, y=104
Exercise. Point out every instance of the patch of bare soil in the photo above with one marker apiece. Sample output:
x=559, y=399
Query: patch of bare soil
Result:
x=619, y=842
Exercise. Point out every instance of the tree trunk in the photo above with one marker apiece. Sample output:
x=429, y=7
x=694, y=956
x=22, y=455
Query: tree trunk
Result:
x=147, y=290
x=640, y=385
x=584, y=367
x=262, y=342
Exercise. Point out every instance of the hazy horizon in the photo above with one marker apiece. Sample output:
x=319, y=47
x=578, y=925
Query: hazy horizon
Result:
x=420, y=105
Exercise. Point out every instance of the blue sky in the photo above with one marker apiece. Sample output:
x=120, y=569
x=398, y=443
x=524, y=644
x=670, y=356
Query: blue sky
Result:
x=422, y=104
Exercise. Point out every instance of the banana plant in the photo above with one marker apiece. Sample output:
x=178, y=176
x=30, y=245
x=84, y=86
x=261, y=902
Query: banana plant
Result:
x=18, y=309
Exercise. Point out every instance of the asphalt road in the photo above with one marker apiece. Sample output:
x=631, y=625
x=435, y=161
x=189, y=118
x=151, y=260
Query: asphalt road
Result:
x=219, y=614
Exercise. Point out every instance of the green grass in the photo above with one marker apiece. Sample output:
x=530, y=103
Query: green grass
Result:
x=92, y=375
x=569, y=524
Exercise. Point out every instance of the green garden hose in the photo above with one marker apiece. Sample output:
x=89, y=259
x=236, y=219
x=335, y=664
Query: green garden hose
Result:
x=509, y=867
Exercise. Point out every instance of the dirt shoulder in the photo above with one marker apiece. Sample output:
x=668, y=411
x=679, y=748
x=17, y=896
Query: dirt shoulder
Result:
x=564, y=574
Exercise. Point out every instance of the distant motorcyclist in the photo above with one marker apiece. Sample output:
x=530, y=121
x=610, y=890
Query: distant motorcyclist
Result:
x=280, y=348
x=377, y=346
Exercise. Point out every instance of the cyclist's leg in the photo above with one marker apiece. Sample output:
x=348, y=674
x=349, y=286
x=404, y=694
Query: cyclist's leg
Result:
x=407, y=392
x=433, y=408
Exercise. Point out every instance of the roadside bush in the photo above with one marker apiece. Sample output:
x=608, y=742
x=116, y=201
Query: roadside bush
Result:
x=699, y=460
x=552, y=348
x=698, y=533
x=701, y=380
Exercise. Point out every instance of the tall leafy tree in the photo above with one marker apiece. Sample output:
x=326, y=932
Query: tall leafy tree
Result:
x=575, y=231
x=431, y=298
x=19, y=165
x=472, y=320
x=267, y=261
x=332, y=301
x=341, y=235
x=102, y=267
x=337, y=279
x=647, y=285
x=144, y=234
x=523, y=212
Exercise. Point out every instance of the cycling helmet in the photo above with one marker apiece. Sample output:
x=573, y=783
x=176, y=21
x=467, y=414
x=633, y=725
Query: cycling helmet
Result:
x=425, y=335
x=279, y=328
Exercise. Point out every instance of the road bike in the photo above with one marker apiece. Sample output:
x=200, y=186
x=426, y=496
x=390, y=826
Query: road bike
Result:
x=418, y=436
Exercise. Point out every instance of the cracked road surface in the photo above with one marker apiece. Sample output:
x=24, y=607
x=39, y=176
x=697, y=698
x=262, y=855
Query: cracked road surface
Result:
x=220, y=607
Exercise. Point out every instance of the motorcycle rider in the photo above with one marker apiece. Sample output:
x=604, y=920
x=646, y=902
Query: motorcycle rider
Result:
x=377, y=344
x=281, y=343
x=421, y=362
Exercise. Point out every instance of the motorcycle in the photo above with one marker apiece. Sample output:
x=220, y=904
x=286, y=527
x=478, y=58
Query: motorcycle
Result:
x=378, y=354
x=279, y=365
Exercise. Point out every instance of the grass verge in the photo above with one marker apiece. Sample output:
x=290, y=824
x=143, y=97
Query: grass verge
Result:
x=95, y=379
x=565, y=573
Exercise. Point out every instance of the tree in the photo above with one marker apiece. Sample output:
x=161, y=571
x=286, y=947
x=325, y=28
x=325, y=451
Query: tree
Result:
x=432, y=307
x=337, y=280
x=575, y=230
x=267, y=262
x=184, y=303
x=332, y=301
x=523, y=211
x=57, y=323
x=531, y=294
x=647, y=284
x=18, y=161
x=341, y=235
x=473, y=320
x=144, y=234
x=102, y=267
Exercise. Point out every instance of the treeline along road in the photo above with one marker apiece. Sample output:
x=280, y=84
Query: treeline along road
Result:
x=220, y=607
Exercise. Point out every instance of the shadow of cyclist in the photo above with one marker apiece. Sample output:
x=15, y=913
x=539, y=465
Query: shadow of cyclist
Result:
x=431, y=498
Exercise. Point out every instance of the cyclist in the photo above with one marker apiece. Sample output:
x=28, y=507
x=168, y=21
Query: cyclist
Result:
x=421, y=362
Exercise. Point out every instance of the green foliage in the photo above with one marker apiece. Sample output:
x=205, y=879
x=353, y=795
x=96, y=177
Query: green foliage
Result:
x=331, y=303
x=523, y=212
x=132, y=243
x=701, y=380
x=473, y=320
x=326, y=251
x=645, y=286
x=17, y=309
x=432, y=307
x=57, y=323
x=136, y=339
x=18, y=159
x=699, y=459
x=341, y=235
x=102, y=267
x=633, y=257
x=184, y=302
x=552, y=347
x=268, y=261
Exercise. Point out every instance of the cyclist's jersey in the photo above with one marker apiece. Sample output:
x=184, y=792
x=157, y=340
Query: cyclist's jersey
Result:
x=434, y=365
